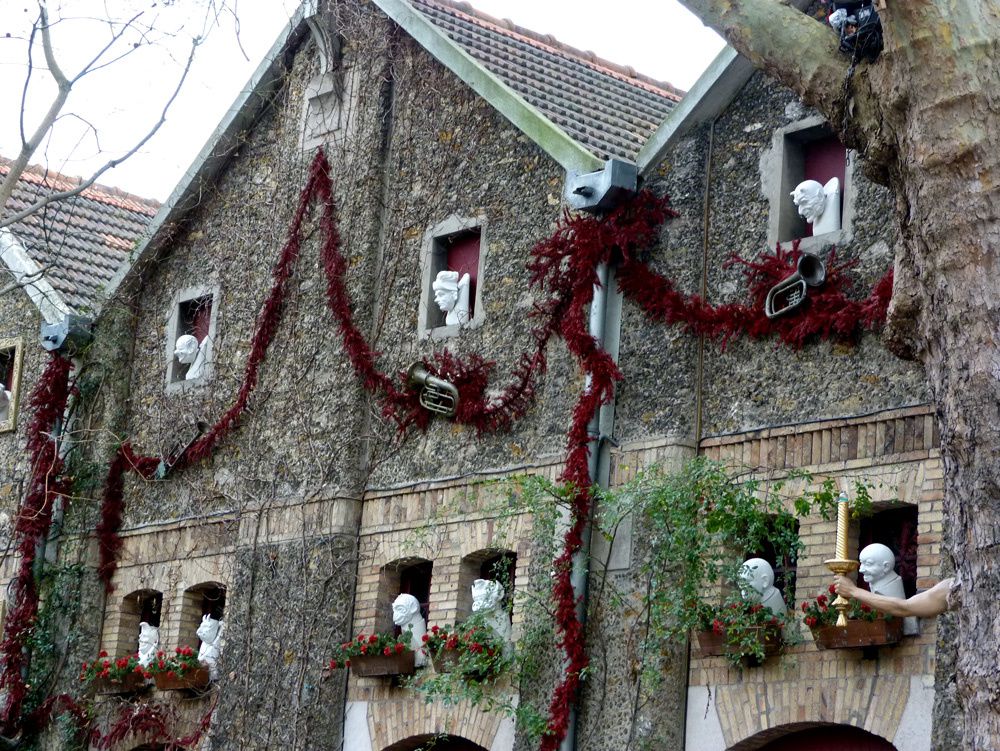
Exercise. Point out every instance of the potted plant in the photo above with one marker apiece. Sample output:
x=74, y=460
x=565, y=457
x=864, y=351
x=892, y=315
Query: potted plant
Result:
x=375, y=655
x=472, y=650
x=740, y=630
x=119, y=675
x=865, y=627
x=179, y=671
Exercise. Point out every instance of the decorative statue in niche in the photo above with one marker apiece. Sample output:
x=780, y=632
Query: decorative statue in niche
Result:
x=210, y=632
x=188, y=351
x=406, y=615
x=4, y=405
x=819, y=204
x=487, y=599
x=452, y=295
x=149, y=641
x=878, y=567
x=757, y=585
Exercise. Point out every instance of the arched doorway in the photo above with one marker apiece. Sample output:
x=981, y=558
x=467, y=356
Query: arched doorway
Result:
x=435, y=743
x=829, y=738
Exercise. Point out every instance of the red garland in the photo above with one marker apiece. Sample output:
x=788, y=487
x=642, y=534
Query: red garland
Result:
x=827, y=314
x=31, y=529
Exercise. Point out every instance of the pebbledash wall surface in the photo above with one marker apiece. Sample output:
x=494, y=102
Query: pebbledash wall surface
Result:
x=306, y=513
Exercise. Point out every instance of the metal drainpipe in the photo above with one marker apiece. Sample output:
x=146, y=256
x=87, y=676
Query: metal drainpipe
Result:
x=578, y=576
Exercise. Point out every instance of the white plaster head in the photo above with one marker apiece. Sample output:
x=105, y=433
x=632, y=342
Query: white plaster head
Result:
x=209, y=629
x=756, y=579
x=810, y=199
x=405, y=609
x=877, y=562
x=445, y=288
x=487, y=594
x=186, y=349
x=149, y=640
x=4, y=404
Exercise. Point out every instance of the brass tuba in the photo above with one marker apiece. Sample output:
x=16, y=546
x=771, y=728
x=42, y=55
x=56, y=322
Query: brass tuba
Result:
x=436, y=394
x=790, y=293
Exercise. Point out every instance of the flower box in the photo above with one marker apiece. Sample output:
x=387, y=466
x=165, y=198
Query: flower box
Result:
x=379, y=664
x=128, y=684
x=191, y=680
x=859, y=633
x=715, y=644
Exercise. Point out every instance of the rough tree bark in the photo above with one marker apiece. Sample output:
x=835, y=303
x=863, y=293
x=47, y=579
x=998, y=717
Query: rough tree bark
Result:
x=926, y=118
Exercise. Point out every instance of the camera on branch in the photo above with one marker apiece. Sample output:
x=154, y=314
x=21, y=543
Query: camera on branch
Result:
x=859, y=27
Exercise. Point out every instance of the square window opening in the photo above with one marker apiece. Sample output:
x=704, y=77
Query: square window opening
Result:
x=896, y=528
x=193, y=317
x=784, y=568
x=809, y=154
x=459, y=253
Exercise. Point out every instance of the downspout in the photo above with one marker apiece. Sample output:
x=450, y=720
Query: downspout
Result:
x=598, y=191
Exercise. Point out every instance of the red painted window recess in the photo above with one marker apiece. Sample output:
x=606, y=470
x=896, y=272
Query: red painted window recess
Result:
x=463, y=256
x=822, y=159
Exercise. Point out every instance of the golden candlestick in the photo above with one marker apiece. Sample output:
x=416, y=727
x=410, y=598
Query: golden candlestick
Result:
x=841, y=565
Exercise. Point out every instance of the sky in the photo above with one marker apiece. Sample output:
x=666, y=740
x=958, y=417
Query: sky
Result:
x=112, y=108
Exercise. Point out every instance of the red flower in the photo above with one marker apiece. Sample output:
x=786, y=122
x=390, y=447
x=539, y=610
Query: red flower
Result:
x=361, y=637
x=400, y=648
x=717, y=626
x=102, y=653
x=137, y=669
x=425, y=637
x=387, y=652
x=364, y=649
x=821, y=600
x=347, y=663
x=774, y=621
x=160, y=653
x=451, y=643
x=333, y=664
x=832, y=589
x=83, y=667
x=756, y=608
x=805, y=607
x=171, y=674
x=161, y=665
x=373, y=638
x=865, y=608
x=434, y=629
x=810, y=622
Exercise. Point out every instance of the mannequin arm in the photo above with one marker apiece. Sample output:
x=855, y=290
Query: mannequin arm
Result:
x=927, y=604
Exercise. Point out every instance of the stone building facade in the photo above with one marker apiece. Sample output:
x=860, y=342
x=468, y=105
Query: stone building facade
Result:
x=308, y=518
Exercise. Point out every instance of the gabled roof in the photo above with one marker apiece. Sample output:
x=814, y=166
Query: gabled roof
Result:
x=610, y=109
x=77, y=243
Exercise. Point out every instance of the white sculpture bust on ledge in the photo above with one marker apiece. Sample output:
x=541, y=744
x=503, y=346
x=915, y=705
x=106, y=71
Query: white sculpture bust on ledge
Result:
x=757, y=585
x=878, y=567
x=452, y=295
x=406, y=615
x=149, y=641
x=188, y=351
x=819, y=204
x=487, y=599
x=210, y=632
x=4, y=405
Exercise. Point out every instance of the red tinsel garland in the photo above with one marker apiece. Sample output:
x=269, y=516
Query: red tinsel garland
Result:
x=826, y=314
x=31, y=528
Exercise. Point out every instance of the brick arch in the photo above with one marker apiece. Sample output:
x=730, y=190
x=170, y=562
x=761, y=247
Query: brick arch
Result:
x=435, y=742
x=393, y=725
x=813, y=736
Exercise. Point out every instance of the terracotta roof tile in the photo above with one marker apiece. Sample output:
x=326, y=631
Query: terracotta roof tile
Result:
x=80, y=241
x=610, y=109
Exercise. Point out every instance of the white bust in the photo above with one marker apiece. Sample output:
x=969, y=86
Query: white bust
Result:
x=878, y=568
x=4, y=405
x=210, y=632
x=487, y=599
x=819, y=204
x=188, y=351
x=149, y=641
x=452, y=295
x=406, y=615
x=757, y=585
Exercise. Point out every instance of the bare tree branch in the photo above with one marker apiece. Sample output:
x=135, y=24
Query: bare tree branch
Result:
x=84, y=184
x=789, y=45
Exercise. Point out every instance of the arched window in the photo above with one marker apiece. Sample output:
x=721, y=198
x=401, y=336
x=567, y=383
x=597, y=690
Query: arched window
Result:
x=207, y=598
x=140, y=606
x=410, y=576
x=495, y=564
